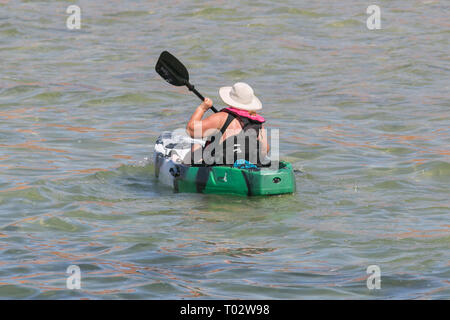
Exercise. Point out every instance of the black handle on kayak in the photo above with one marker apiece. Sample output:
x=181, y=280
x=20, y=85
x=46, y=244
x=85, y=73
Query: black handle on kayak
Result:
x=198, y=94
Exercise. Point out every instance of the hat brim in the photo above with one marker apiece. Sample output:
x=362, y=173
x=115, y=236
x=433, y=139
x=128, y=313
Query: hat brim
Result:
x=224, y=94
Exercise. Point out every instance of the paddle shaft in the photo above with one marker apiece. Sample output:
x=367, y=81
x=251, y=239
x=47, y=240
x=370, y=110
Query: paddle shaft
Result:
x=198, y=94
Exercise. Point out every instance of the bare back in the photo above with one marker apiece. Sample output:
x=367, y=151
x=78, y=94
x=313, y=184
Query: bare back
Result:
x=217, y=120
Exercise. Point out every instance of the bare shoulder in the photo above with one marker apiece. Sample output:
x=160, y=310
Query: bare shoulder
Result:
x=216, y=120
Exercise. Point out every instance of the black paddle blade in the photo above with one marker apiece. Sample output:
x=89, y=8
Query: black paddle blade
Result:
x=171, y=69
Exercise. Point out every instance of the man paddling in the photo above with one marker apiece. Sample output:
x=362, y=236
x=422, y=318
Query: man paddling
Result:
x=234, y=133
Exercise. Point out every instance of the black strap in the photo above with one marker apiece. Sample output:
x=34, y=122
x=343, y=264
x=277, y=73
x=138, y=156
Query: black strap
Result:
x=201, y=179
x=230, y=118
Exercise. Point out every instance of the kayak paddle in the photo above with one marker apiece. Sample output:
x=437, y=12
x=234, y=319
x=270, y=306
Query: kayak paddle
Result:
x=175, y=73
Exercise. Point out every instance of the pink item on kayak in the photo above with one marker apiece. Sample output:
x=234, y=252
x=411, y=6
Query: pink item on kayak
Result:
x=246, y=114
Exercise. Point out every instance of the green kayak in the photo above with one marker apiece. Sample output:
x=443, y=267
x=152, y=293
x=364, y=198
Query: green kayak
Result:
x=261, y=181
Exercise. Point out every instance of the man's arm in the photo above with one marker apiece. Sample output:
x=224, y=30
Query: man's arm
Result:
x=197, y=127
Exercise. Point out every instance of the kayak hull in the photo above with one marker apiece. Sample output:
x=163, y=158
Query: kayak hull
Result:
x=220, y=179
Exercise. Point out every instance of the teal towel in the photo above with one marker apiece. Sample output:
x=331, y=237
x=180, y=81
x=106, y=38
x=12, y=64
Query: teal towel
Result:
x=244, y=164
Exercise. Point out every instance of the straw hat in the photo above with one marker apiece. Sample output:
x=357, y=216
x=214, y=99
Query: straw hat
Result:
x=240, y=96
